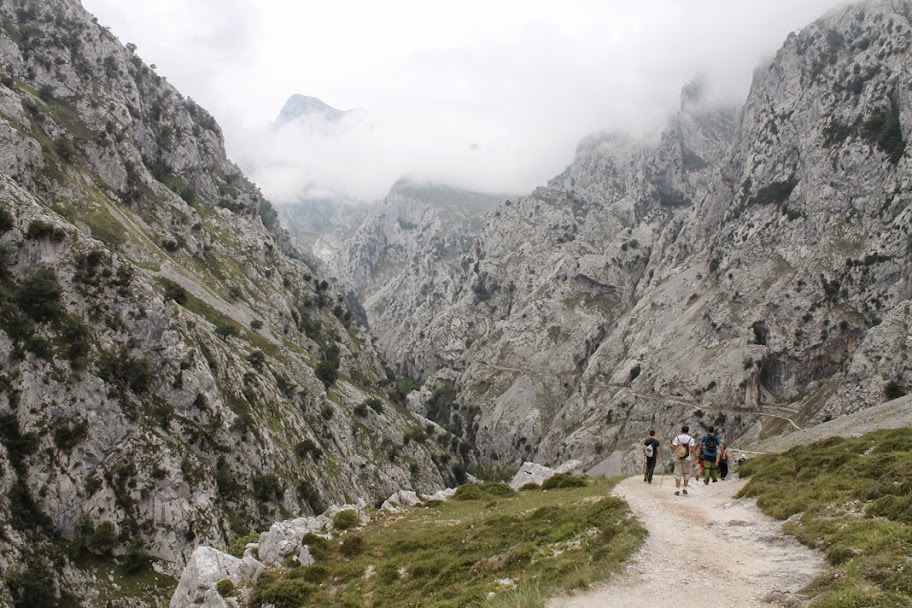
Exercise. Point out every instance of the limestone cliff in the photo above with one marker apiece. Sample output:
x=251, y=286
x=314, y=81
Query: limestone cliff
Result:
x=742, y=271
x=172, y=372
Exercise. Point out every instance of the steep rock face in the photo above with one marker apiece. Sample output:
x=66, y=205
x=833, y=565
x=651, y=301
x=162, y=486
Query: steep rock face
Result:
x=302, y=106
x=738, y=273
x=402, y=261
x=172, y=372
x=769, y=299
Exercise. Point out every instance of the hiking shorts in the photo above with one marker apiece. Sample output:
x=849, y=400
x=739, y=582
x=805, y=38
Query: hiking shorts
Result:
x=682, y=469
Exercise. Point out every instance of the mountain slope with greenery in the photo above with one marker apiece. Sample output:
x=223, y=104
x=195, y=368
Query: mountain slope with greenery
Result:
x=172, y=372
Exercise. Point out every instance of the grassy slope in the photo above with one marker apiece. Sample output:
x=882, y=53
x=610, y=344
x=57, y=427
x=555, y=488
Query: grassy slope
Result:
x=852, y=499
x=453, y=553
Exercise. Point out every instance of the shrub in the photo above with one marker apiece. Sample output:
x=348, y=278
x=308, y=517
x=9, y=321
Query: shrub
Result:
x=77, y=340
x=225, y=331
x=531, y=486
x=267, y=488
x=346, y=520
x=256, y=358
x=39, y=296
x=361, y=410
x=6, y=221
x=225, y=587
x=352, y=546
x=67, y=436
x=32, y=587
x=256, y=324
x=375, y=404
x=237, y=545
x=136, y=559
x=174, y=291
x=327, y=372
x=483, y=491
x=416, y=434
x=308, y=446
x=119, y=368
x=43, y=231
x=883, y=129
x=563, y=480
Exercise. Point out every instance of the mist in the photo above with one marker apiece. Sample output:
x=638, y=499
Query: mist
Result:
x=485, y=97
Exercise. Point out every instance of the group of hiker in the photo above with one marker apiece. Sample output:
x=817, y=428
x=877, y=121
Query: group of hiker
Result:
x=710, y=453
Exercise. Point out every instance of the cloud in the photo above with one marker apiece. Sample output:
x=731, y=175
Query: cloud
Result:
x=489, y=96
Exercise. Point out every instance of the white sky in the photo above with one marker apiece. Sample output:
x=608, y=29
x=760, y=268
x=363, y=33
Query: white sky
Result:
x=490, y=95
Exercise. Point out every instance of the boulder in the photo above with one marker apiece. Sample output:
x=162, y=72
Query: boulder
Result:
x=208, y=566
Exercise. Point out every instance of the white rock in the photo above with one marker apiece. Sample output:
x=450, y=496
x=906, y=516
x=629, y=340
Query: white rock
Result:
x=208, y=566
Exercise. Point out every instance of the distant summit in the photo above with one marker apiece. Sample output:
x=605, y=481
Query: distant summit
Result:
x=302, y=106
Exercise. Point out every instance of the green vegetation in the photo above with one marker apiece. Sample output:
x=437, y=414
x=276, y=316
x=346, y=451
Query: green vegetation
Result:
x=452, y=553
x=882, y=128
x=854, y=497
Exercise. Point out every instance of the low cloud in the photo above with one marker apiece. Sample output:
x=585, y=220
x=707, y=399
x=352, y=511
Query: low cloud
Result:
x=486, y=96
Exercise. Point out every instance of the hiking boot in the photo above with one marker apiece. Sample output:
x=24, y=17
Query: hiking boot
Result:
x=678, y=493
x=706, y=482
x=715, y=480
x=685, y=491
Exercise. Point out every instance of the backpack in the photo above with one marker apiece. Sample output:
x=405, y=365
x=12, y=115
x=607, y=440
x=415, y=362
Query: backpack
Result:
x=709, y=447
x=649, y=451
x=682, y=450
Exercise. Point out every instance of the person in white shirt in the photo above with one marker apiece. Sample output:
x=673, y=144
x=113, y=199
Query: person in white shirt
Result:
x=683, y=459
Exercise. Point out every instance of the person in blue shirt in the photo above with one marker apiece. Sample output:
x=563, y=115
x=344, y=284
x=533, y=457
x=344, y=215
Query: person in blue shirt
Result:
x=710, y=445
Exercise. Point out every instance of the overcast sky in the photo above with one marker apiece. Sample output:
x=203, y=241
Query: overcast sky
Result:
x=490, y=95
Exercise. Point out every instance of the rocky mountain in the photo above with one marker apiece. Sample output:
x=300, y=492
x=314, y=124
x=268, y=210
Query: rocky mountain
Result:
x=172, y=371
x=321, y=227
x=403, y=261
x=749, y=268
x=303, y=107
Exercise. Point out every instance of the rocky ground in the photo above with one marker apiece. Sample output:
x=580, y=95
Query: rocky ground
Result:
x=705, y=544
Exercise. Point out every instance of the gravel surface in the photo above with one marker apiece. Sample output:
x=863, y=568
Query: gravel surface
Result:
x=705, y=548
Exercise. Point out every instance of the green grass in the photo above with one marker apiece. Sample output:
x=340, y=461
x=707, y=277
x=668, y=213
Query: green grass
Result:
x=853, y=501
x=453, y=553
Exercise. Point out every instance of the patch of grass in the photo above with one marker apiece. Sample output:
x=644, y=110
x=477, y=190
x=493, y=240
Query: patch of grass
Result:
x=454, y=554
x=854, y=497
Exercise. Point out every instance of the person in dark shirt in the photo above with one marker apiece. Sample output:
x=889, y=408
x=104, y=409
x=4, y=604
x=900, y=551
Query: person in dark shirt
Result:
x=710, y=443
x=651, y=452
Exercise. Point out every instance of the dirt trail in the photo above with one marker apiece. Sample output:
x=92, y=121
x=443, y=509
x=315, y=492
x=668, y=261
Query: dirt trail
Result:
x=703, y=545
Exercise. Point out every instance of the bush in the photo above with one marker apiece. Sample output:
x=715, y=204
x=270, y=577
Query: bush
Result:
x=257, y=358
x=416, y=434
x=327, y=372
x=267, y=488
x=529, y=487
x=43, y=231
x=483, y=491
x=256, y=324
x=308, y=446
x=352, y=546
x=136, y=559
x=563, y=480
x=6, y=221
x=346, y=520
x=224, y=331
x=225, y=587
x=32, y=587
x=883, y=128
x=237, y=546
x=39, y=296
x=67, y=436
x=174, y=291
x=118, y=367
x=375, y=404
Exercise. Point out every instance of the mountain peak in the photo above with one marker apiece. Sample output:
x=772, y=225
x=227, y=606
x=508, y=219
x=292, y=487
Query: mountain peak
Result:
x=299, y=106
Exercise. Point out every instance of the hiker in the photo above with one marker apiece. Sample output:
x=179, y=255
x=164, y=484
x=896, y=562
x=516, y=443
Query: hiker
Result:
x=709, y=449
x=682, y=446
x=723, y=462
x=651, y=452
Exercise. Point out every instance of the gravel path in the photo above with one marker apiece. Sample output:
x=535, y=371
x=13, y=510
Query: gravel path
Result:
x=706, y=548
